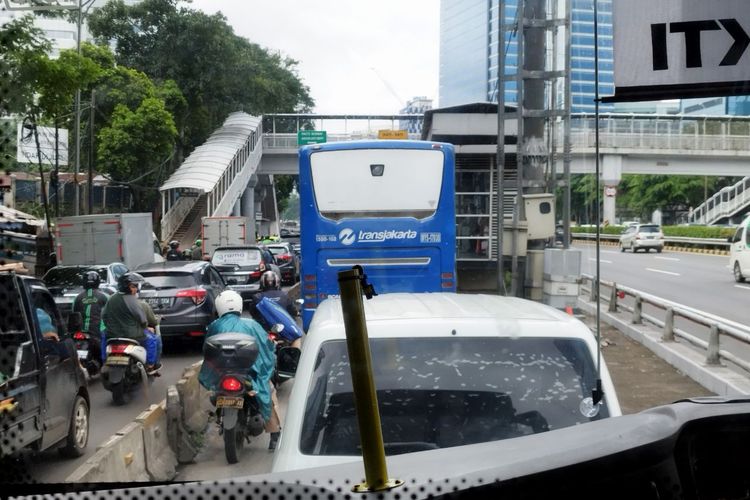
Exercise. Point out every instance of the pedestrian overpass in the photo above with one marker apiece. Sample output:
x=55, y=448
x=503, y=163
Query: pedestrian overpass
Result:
x=232, y=173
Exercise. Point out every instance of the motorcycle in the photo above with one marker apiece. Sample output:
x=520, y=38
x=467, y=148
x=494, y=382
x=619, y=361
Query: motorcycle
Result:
x=283, y=331
x=237, y=410
x=88, y=353
x=124, y=368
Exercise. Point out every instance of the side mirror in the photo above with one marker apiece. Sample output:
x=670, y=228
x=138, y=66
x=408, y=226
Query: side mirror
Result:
x=287, y=360
x=74, y=322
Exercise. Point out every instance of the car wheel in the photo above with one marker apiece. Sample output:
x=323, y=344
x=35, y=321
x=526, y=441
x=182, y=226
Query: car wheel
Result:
x=78, y=433
x=738, y=277
x=659, y=249
x=622, y=247
x=632, y=247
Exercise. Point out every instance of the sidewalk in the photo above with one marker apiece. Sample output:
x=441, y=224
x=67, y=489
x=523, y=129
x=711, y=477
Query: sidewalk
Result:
x=642, y=379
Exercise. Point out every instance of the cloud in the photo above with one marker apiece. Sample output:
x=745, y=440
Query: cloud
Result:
x=338, y=42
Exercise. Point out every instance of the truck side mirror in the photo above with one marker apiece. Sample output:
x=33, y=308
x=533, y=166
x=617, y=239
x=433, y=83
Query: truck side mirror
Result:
x=287, y=360
x=74, y=322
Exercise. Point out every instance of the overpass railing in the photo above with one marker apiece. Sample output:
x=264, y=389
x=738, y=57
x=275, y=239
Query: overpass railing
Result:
x=671, y=132
x=725, y=203
x=717, y=328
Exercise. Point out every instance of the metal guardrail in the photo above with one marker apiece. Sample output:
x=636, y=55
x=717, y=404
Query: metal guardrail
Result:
x=713, y=242
x=717, y=328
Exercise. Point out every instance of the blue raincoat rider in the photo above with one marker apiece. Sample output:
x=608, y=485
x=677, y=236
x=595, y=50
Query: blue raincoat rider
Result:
x=229, y=308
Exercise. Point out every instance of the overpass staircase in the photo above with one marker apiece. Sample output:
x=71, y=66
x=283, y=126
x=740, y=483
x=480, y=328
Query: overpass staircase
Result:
x=728, y=206
x=190, y=228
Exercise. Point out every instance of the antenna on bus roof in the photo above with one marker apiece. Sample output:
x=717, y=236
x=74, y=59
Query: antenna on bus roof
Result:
x=597, y=394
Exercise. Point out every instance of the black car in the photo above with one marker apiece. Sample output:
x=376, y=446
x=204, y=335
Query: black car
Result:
x=287, y=260
x=44, y=400
x=66, y=282
x=182, y=293
x=242, y=265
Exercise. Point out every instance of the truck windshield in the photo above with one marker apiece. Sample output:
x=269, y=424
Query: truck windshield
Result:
x=70, y=276
x=443, y=392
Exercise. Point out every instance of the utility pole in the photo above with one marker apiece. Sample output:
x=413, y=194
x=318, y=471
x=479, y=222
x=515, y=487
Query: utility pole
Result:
x=78, y=114
x=90, y=202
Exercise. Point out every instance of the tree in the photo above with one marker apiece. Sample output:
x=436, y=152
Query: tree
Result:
x=284, y=185
x=217, y=71
x=136, y=146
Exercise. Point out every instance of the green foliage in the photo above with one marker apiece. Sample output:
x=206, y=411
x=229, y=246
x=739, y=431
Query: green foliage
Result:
x=681, y=231
x=56, y=81
x=284, y=185
x=21, y=43
x=217, y=71
x=136, y=145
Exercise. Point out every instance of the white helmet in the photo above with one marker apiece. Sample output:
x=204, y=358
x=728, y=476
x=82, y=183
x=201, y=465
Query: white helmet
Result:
x=228, y=301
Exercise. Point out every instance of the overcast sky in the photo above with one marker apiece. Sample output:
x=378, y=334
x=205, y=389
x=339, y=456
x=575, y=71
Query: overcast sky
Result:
x=349, y=52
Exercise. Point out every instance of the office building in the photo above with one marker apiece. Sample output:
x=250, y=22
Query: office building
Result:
x=469, y=43
x=416, y=105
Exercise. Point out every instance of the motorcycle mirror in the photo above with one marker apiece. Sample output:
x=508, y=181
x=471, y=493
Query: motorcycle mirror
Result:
x=277, y=328
x=287, y=360
x=74, y=321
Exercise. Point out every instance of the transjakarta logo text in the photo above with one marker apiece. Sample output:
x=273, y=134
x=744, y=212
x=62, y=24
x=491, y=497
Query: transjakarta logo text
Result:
x=348, y=236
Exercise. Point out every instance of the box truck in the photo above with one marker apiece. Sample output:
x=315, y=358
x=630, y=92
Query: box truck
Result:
x=221, y=232
x=106, y=238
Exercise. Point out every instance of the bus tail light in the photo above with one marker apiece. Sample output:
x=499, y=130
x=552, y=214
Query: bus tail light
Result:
x=310, y=277
x=446, y=276
x=447, y=284
x=310, y=286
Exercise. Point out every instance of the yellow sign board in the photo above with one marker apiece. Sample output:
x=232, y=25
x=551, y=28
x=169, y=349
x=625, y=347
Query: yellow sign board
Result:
x=392, y=134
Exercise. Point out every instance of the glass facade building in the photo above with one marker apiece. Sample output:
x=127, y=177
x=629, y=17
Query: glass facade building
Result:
x=469, y=44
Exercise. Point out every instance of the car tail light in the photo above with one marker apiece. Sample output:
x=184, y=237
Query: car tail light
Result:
x=231, y=384
x=117, y=348
x=284, y=256
x=196, y=334
x=197, y=294
x=79, y=336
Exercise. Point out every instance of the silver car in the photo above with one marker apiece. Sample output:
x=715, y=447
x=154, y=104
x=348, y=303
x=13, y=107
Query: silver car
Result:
x=642, y=237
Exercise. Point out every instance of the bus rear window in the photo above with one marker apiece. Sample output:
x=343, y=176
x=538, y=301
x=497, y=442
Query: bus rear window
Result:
x=397, y=182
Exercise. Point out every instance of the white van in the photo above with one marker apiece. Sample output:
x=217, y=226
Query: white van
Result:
x=739, y=251
x=449, y=369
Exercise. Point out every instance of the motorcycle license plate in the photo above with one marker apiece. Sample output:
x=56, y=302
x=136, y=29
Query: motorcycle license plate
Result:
x=118, y=360
x=83, y=354
x=229, y=402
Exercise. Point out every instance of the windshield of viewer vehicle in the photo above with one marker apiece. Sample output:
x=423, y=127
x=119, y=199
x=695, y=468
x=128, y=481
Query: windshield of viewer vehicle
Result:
x=443, y=392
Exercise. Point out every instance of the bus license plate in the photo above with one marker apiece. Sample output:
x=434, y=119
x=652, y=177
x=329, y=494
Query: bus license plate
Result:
x=118, y=360
x=229, y=402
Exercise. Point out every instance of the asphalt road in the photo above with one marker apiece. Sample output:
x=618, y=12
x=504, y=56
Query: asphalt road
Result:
x=700, y=281
x=106, y=418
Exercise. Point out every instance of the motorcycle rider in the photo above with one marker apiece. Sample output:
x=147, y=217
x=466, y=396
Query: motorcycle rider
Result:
x=197, y=252
x=229, y=308
x=127, y=317
x=270, y=288
x=174, y=252
x=90, y=304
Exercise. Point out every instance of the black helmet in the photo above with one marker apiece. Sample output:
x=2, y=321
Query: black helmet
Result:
x=127, y=279
x=269, y=281
x=91, y=280
x=174, y=244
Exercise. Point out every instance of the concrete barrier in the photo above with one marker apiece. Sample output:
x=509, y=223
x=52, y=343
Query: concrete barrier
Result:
x=187, y=412
x=161, y=461
x=120, y=459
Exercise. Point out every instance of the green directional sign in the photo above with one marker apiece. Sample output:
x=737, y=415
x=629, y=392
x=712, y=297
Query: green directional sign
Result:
x=305, y=137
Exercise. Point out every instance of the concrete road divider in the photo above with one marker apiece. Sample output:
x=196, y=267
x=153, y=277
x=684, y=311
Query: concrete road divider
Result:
x=120, y=459
x=161, y=461
x=187, y=411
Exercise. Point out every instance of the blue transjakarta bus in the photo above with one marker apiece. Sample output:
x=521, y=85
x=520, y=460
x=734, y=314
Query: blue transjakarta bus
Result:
x=385, y=205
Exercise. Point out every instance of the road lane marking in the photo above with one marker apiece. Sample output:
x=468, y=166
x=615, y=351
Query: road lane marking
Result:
x=668, y=258
x=660, y=271
x=601, y=260
x=742, y=286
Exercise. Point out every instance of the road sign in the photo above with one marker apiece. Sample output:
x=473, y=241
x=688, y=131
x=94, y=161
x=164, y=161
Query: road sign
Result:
x=26, y=151
x=393, y=134
x=305, y=137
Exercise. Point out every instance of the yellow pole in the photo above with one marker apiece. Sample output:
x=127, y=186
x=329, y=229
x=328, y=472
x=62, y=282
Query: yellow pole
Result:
x=363, y=384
